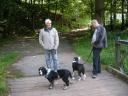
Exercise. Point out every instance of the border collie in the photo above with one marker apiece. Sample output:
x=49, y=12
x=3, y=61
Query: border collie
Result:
x=79, y=67
x=51, y=75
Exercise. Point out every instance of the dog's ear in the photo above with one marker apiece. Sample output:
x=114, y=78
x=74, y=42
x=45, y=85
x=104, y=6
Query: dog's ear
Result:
x=40, y=68
x=44, y=70
x=74, y=58
x=79, y=58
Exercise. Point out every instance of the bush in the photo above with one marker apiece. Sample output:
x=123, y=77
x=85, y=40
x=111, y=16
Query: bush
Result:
x=25, y=31
x=62, y=28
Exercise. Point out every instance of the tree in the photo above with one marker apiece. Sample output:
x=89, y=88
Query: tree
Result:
x=114, y=9
x=99, y=10
x=122, y=25
x=126, y=1
x=111, y=15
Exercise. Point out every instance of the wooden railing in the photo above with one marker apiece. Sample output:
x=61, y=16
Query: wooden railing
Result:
x=120, y=54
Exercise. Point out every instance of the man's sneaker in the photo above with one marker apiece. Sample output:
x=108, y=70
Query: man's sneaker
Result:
x=93, y=76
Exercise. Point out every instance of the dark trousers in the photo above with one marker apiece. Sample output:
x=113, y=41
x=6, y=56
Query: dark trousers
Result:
x=96, y=61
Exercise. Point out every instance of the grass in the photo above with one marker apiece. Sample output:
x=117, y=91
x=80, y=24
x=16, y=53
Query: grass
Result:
x=5, y=62
x=83, y=47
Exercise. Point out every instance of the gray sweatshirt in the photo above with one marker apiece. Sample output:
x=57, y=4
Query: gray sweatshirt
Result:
x=48, y=38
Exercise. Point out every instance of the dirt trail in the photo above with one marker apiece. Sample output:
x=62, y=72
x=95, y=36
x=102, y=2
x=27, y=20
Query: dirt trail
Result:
x=33, y=85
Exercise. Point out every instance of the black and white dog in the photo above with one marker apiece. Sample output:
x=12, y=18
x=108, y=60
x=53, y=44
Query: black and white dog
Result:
x=79, y=67
x=51, y=75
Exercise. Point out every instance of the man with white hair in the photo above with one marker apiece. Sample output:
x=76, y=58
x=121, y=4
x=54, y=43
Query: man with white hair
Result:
x=49, y=40
x=99, y=41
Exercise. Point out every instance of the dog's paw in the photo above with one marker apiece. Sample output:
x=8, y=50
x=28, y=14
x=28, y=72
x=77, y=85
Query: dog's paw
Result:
x=65, y=87
x=84, y=76
x=70, y=82
x=79, y=79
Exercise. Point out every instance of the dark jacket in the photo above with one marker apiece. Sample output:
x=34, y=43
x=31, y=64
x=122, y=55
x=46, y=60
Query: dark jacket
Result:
x=101, y=38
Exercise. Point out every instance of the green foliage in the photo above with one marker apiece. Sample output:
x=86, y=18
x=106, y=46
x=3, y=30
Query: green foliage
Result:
x=25, y=31
x=124, y=53
x=108, y=54
x=62, y=28
x=126, y=65
x=22, y=17
x=82, y=22
x=5, y=61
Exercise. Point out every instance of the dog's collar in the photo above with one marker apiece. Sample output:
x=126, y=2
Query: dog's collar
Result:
x=73, y=61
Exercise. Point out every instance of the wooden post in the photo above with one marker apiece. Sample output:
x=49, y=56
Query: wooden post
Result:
x=117, y=52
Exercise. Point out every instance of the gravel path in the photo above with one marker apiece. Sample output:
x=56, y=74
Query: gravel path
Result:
x=33, y=85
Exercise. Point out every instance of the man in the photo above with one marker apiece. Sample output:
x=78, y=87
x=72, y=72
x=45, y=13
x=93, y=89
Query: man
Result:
x=99, y=41
x=49, y=40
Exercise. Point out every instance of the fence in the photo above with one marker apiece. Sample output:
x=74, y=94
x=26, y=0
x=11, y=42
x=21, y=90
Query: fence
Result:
x=121, y=52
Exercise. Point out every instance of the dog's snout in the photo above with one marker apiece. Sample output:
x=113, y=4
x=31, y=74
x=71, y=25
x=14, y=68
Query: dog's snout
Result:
x=40, y=72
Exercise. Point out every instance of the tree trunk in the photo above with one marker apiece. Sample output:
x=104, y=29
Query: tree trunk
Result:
x=114, y=13
x=56, y=10
x=111, y=15
x=25, y=1
x=34, y=1
x=33, y=16
x=127, y=14
x=48, y=8
x=99, y=10
x=91, y=7
x=122, y=25
x=62, y=11
x=42, y=3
